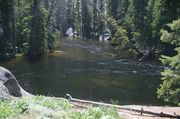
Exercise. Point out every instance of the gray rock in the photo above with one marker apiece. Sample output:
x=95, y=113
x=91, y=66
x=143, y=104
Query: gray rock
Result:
x=9, y=80
x=4, y=93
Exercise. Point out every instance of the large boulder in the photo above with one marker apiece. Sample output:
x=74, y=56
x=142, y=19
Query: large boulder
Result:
x=4, y=93
x=10, y=82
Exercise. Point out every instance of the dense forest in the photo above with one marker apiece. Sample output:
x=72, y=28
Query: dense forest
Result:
x=148, y=29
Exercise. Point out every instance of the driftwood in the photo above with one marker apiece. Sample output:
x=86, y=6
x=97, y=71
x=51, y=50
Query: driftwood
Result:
x=141, y=111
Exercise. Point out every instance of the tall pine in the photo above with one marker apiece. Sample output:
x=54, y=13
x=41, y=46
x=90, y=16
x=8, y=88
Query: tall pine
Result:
x=170, y=88
x=37, y=38
x=7, y=29
x=86, y=19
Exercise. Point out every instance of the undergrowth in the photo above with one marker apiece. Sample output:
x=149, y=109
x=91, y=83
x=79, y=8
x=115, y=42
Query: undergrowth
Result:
x=61, y=109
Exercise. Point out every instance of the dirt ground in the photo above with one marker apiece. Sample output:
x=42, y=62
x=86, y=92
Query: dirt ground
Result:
x=137, y=115
x=156, y=109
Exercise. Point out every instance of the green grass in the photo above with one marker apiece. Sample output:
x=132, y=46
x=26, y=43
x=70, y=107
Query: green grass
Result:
x=12, y=108
x=97, y=113
x=6, y=110
x=52, y=103
x=61, y=109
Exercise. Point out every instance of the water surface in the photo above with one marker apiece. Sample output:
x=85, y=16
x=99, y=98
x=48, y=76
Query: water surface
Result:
x=87, y=69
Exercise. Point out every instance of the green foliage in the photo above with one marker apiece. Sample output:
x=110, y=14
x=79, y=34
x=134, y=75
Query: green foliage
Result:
x=154, y=12
x=113, y=6
x=172, y=36
x=120, y=39
x=31, y=36
x=25, y=34
x=13, y=108
x=86, y=20
x=169, y=11
x=170, y=89
x=59, y=108
x=97, y=113
x=136, y=20
x=20, y=105
x=113, y=25
x=5, y=110
x=128, y=23
x=143, y=20
x=7, y=38
x=37, y=39
x=51, y=37
x=34, y=37
x=52, y=103
x=23, y=18
x=78, y=17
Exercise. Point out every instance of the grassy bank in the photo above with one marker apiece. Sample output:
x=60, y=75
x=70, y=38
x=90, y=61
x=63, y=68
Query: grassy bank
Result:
x=40, y=107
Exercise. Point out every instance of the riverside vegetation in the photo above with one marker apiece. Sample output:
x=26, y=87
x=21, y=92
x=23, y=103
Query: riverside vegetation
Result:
x=49, y=107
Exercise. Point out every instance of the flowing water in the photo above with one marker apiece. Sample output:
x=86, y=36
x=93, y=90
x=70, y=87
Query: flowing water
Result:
x=87, y=69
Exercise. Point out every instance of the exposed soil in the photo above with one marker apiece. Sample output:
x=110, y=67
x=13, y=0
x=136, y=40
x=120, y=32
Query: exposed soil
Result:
x=137, y=115
x=157, y=109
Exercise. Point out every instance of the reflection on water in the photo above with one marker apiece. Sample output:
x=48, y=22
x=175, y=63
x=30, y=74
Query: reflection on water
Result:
x=88, y=69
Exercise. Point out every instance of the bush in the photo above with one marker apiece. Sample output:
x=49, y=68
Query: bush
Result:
x=120, y=39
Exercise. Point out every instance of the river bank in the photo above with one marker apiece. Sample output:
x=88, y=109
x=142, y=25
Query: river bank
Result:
x=131, y=111
x=51, y=107
x=41, y=107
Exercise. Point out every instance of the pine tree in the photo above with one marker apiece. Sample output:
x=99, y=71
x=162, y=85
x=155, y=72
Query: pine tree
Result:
x=50, y=23
x=154, y=17
x=128, y=22
x=170, y=89
x=113, y=7
x=23, y=24
x=95, y=18
x=169, y=11
x=7, y=29
x=101, y=24
x=122, y=10
x=137, y=19
x=140, y=17
x=86, y=20
x=78, y=17
x=37, y=38
x=70, y=13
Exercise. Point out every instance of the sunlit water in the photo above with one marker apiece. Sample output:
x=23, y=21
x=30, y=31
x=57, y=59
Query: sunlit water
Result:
x=87, y=69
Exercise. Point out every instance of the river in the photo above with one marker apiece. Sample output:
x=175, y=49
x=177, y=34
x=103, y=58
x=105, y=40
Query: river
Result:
x=88, y=69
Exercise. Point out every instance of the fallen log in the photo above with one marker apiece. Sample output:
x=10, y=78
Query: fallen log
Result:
x=141, y=111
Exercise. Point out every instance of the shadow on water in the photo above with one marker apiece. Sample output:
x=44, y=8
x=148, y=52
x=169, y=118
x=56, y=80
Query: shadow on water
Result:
x=88, y=70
